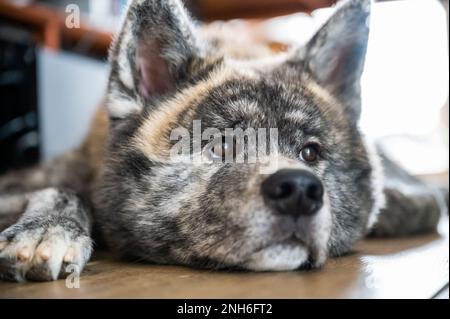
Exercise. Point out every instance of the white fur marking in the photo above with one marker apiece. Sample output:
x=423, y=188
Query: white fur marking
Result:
x=377, y=183
x=278, y=257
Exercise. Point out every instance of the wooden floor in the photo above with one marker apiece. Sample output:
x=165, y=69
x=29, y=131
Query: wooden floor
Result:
x=390, y=268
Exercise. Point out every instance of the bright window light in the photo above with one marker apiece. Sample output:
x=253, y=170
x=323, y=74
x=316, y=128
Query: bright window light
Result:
x=405, y=83
x=406, y=80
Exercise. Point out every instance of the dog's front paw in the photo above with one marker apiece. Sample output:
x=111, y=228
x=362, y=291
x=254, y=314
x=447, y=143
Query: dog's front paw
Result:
x=43, y=251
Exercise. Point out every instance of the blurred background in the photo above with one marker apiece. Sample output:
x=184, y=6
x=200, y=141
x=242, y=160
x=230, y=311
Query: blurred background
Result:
x=53, y=70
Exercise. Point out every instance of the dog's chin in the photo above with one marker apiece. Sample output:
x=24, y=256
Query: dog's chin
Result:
x=306, y=248
x=284, y=256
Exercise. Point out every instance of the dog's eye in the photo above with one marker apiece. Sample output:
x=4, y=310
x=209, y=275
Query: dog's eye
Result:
x=219, y=150
x=310, y=153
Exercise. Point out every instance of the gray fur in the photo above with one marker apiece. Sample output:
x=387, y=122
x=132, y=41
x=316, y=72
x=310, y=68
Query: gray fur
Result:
x=412, y=206
x=213, y=214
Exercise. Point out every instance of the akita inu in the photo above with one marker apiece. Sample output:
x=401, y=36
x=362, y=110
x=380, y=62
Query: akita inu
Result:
x=326, y=191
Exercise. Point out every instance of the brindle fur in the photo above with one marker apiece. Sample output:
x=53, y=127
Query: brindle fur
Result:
x=165, y=74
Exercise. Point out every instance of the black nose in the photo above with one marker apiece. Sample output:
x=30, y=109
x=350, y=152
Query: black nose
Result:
x=293, y=192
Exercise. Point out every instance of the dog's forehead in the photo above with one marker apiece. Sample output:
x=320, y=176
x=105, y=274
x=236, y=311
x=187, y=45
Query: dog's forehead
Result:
x=267, y=98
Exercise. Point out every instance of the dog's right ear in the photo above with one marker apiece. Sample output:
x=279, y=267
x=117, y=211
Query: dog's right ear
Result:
x=150, y=57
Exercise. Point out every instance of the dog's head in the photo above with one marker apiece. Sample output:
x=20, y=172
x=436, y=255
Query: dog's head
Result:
x=312, y=196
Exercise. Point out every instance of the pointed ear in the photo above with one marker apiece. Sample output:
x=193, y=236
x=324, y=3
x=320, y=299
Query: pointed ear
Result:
x=335, y=56
x=150, y=57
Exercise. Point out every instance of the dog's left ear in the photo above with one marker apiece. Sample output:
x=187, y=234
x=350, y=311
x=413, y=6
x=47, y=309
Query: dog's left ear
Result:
x=335, y=56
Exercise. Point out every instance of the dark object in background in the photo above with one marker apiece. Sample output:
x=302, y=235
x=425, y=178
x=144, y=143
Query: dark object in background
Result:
x=19, y=137
x=208, y=10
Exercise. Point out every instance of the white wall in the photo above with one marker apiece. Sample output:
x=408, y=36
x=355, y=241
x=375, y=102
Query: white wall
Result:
x=406, y=79
x=70, y=88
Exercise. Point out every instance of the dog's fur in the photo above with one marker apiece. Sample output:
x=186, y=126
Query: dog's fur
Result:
x=167, y=72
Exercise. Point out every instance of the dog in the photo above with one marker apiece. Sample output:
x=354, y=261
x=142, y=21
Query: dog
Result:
x=323, y=188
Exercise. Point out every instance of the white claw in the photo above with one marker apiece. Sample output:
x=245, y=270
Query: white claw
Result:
x=70, y=255
x=43, y=252
x=24, y=254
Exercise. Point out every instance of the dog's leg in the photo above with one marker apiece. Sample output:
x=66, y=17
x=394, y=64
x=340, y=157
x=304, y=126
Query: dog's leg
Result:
x=47, y=225
x=71, y=170
x=412, y=206
x=53, y=233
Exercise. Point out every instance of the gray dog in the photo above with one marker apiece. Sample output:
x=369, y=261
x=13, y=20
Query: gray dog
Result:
x=320, y=192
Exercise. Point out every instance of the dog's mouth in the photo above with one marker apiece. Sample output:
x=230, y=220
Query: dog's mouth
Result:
x=303, y=246
x=289, y=254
